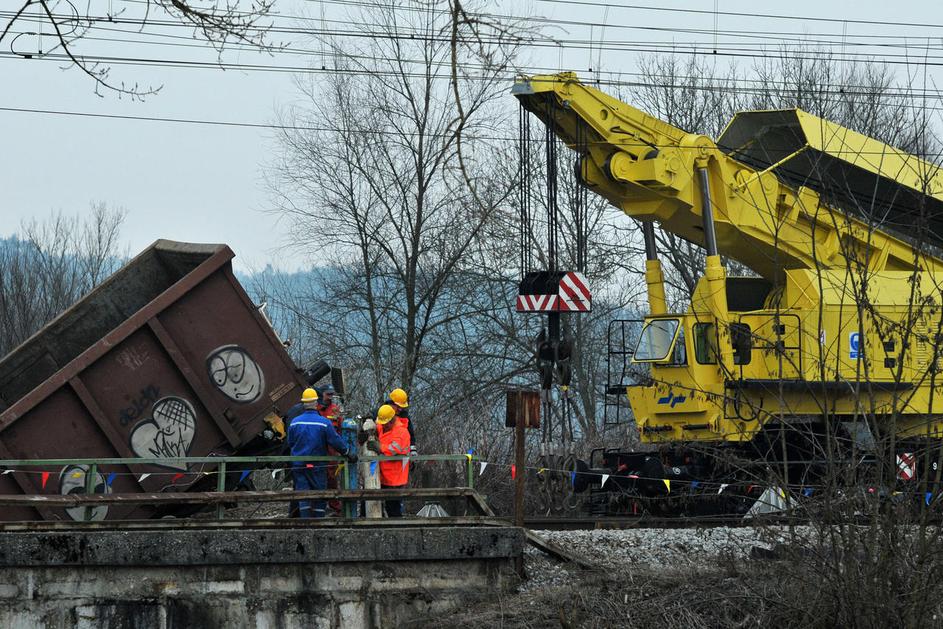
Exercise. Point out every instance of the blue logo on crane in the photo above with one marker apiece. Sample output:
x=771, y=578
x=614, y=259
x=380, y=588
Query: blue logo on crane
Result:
x=671, y=399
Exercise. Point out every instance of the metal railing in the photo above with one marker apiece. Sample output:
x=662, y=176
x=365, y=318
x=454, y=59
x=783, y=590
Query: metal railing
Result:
x=93, y=470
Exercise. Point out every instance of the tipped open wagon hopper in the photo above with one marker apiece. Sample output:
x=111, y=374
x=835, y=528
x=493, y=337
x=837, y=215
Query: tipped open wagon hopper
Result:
x=167, y=358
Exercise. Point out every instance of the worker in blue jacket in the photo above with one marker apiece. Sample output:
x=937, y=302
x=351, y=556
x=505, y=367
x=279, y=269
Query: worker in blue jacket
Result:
x=309, y=434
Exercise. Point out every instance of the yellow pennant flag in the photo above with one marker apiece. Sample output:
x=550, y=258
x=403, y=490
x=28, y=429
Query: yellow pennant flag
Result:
x=668, y=485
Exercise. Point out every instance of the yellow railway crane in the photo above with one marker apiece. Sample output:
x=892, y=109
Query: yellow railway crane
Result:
x=843, y=319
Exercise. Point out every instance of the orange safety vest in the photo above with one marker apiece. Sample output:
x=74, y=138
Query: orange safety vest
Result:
x=394, y=441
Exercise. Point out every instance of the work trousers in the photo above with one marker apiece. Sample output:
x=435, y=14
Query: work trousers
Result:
x=310, y=478
x=394, y=508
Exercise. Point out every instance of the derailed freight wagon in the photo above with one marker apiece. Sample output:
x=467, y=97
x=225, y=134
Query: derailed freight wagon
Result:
x=167, y=358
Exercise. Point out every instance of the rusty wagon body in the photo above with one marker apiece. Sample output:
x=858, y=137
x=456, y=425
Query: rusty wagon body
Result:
x=167, y=358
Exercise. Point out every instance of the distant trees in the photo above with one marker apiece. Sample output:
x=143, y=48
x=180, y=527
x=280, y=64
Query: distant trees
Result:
x=50, y=264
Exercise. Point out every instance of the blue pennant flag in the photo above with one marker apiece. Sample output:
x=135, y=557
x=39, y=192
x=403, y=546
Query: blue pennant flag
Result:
x=111, y=478
x=470, y=451
x=245, y=473
x=373, y=467
x=695, y=484
x=573, y=478
x=807, y=492
x=928, y=496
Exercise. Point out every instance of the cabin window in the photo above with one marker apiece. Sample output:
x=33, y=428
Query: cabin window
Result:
x=741, y=337
x=705, y=343
x=655, y=341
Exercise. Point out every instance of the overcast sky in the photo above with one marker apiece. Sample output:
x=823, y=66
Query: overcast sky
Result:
x=204, y=183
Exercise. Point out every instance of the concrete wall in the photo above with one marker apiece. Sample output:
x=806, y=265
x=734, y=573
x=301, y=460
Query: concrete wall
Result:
x=283, y=579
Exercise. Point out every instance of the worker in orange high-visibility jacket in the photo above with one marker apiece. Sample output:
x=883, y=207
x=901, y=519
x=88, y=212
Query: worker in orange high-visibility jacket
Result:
x=394, y=441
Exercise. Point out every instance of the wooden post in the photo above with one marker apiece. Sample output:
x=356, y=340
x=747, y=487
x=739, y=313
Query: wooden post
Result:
x=221, y=486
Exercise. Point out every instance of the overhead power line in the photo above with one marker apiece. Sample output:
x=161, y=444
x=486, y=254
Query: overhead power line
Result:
x=772, y=16
x=472, y=135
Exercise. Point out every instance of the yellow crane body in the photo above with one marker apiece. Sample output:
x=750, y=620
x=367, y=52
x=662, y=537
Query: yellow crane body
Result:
x=843, y=318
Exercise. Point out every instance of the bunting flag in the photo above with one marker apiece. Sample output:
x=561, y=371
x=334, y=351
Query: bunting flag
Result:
x=723, y=486
x=484, y=464
x=309, y=465
x=405, y=463
x=605, y=477
x=668, y=485
x=373, y=467
x=540, y=471
x=5, y=472
x=111, y=478
x=245, y=473
x=513, y=472
x=176, y=477
x=275, y=473
x=143, y=476
x=46, y=479
x=573, y=479
x=927, y=498
x=74, y=474
x=807, y=492
x=468, y=455
x=695, y=484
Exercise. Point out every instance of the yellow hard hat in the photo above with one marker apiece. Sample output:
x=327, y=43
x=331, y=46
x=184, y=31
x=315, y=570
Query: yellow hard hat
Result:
x=309, y=395
x=399, y=398
x=385, y=414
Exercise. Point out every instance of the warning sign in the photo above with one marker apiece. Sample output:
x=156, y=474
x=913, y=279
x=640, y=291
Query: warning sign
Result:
x=854, y=345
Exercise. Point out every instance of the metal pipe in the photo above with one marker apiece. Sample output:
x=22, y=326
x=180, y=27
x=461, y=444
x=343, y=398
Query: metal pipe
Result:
x=707, y=213
x=648, y=231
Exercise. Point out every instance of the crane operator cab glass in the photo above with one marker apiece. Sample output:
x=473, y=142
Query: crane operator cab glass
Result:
x=661, y=341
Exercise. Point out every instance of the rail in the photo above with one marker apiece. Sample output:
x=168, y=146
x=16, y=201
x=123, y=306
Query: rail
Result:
x=345, y=493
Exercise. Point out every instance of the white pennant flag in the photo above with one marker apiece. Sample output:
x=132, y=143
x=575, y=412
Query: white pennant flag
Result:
x=484, y=464
x=143, y=476
x=5, y=472
x=405, y=463
x=275, y=473
x=723, y=486
x=605, y=477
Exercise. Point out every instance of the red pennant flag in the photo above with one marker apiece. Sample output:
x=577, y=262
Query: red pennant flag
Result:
x=309, y=465
x=513, y=472
x=176, y=478
x=45, y=478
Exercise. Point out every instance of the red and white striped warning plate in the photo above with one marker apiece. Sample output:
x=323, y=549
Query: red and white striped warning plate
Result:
x=572, y=295
x=906, y=466
x=536, y=303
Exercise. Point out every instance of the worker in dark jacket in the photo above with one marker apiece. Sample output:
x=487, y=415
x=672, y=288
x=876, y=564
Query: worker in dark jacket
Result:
x=400, y=403
x=330, y=409
x=310, y=434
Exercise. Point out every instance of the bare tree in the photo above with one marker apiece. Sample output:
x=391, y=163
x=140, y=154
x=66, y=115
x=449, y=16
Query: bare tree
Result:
x=382, y=203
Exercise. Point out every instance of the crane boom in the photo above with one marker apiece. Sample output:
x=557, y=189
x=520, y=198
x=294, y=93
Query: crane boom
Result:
x=768, y=213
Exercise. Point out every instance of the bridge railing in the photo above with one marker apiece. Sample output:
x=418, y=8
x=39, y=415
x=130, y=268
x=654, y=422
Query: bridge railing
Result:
x=92, y=468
